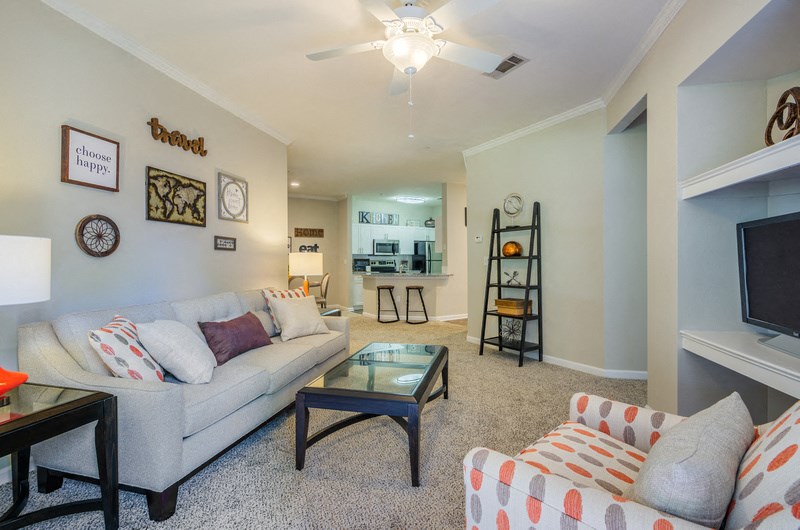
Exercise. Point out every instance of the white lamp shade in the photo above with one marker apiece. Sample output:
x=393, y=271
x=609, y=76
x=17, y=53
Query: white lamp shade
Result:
x=409, y=52
x=24, y=270
x=305, y=263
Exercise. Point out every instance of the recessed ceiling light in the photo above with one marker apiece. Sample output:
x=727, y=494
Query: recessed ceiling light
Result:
x=410, y=200
x=294, y=184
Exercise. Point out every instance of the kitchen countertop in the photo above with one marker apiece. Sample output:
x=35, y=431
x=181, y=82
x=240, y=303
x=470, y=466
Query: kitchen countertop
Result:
x=403, y=275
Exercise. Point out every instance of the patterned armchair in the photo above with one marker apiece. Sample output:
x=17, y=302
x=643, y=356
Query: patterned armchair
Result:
x=577, y=476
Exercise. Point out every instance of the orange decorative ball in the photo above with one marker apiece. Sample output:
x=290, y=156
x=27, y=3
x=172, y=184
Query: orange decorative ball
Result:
x=512, y=248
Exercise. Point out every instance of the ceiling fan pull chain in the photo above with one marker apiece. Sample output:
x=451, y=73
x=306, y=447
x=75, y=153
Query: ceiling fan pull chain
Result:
x=410, y=110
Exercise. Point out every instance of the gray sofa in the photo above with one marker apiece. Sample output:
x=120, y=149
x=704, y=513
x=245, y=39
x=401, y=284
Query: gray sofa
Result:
x=168, y=431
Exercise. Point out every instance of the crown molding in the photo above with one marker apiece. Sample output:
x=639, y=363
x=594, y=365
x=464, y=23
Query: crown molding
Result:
x=316, y=197
x=114, y=36
x=664, y=18
x=536, y=127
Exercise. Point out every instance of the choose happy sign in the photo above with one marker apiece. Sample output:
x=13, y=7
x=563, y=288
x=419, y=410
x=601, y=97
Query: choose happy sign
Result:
x=89, y=160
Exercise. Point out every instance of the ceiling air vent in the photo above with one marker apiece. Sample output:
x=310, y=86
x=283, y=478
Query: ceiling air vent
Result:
x=511, y=62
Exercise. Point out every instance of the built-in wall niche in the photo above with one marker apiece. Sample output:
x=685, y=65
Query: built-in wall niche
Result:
x=727, y=175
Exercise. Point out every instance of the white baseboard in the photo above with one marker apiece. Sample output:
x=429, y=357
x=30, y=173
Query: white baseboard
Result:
x=586, y=368
x=443, y=318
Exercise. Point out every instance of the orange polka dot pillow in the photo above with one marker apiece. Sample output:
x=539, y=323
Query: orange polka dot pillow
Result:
x=691, y=471
x=118, y=345
x=768, y=484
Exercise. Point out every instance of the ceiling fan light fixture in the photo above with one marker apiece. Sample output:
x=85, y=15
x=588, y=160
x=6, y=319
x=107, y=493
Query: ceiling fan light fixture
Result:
x=409, y=52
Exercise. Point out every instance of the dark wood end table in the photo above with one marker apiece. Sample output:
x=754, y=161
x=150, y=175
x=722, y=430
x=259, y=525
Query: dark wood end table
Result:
x=35, y=413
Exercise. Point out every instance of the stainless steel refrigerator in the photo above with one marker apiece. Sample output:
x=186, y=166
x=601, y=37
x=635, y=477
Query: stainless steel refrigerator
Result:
x=425, y=258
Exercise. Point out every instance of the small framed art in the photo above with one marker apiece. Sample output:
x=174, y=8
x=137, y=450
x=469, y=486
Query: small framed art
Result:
x=232, y=197
x=89, y=160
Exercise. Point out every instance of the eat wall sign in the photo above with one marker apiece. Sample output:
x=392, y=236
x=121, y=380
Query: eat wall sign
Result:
x=176, y=138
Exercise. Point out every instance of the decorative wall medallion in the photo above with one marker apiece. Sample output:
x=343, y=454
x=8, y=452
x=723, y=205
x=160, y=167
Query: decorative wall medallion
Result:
x=97, y=235
x=232, y=198
x=786, y=116
x=511, y=331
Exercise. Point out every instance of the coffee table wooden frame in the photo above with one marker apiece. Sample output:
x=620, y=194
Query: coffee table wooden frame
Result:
x=370, y=405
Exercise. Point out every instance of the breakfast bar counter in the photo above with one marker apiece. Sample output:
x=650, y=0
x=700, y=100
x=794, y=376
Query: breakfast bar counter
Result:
x=431, y=283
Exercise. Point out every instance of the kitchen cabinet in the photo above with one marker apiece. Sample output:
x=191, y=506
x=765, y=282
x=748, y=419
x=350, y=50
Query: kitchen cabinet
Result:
x=362, y=238
x=364, y=234
x=357, y=291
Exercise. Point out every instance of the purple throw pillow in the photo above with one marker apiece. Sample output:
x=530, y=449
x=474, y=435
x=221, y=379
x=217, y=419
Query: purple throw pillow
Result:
x=229, y=339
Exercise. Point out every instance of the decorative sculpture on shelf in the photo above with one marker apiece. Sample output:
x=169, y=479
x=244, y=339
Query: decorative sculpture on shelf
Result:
x=512, y=248
x=511, y=331
x=512, y=278
x=786, y=116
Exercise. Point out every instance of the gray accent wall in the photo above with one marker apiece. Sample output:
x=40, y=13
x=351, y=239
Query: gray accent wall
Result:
x=57, y=72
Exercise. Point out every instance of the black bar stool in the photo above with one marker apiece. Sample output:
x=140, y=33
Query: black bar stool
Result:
x=390, y=289
x=417, y=288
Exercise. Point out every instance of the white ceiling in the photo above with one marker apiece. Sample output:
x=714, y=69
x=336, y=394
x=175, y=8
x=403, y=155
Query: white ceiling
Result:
x=345, y=134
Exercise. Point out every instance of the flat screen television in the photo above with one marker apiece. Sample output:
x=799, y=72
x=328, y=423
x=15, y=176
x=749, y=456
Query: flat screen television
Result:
x=769, y=277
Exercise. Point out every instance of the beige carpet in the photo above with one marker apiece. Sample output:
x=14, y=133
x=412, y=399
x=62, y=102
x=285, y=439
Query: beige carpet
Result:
x=359, y=478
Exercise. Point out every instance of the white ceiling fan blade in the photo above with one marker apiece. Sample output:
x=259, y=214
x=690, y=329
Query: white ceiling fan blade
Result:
x=471, y=57
x=455, y=11
x=379, y=10
x=399, y=83
x=346, y=50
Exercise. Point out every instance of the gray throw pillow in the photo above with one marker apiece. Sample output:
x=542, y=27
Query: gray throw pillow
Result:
x=691, y=471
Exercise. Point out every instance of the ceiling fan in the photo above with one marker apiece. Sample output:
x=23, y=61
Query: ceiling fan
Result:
x=410, y=43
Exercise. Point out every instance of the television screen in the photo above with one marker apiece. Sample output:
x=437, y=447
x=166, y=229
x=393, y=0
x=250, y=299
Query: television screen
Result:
x=769, y=272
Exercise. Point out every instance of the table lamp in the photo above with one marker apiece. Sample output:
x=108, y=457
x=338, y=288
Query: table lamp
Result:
x=24, y=279
x=305, y=264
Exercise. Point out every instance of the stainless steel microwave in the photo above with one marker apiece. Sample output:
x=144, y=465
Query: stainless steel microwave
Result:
x=385, y=247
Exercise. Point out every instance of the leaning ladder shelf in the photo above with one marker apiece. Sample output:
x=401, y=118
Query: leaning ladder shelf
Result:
x=494, y=284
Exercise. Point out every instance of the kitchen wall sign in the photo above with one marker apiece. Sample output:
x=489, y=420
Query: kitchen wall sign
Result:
x=176, y=138
x=378, y=218
x=309, y=232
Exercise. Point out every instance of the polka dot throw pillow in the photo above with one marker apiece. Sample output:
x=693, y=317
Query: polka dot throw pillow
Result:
x=118, y=345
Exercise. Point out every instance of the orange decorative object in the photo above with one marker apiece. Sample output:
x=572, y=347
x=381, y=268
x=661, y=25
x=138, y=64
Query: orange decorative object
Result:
x=512, y=248
x=11, y=380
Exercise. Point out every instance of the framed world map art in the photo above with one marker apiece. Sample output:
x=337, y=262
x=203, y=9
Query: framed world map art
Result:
x=232, y=197
x=173, y=198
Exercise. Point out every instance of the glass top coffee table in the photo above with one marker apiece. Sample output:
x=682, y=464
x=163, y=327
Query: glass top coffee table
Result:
x=381, y=379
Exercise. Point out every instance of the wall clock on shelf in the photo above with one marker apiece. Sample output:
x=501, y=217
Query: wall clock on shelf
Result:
x=232, y=198
x=512, y=206
x=97, y=235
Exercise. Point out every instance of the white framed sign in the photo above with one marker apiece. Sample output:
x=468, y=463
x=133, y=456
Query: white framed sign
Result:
x=232, y=197
x=89, y=160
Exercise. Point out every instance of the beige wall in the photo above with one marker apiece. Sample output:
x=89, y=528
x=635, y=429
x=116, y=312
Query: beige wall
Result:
x=699, y=29
x=562, y=168
x=312, y=213
x=452, y=295
x=56, y=72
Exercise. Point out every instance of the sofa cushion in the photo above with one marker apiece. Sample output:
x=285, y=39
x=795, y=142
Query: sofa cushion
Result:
x=178, y=350
x=691, y=471
x=585, y=456
x=232, y=337
x=273, y=292
x=298, y=317
x=223, y=306
x=71, y=330
x=254, y=301
x=231, y=387
x=325, y=345
x=118, y=346
x=283, y=361
x=768, y=482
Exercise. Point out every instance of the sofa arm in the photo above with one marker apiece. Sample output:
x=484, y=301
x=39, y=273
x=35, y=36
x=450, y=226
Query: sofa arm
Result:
x=633, y=425
x=150, y=415
x=337, y=324
x=505, y=493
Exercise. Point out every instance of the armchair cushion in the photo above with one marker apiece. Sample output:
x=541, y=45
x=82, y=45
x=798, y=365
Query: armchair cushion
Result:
x=585, y=456
x=768, y=484
x=691, y=471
